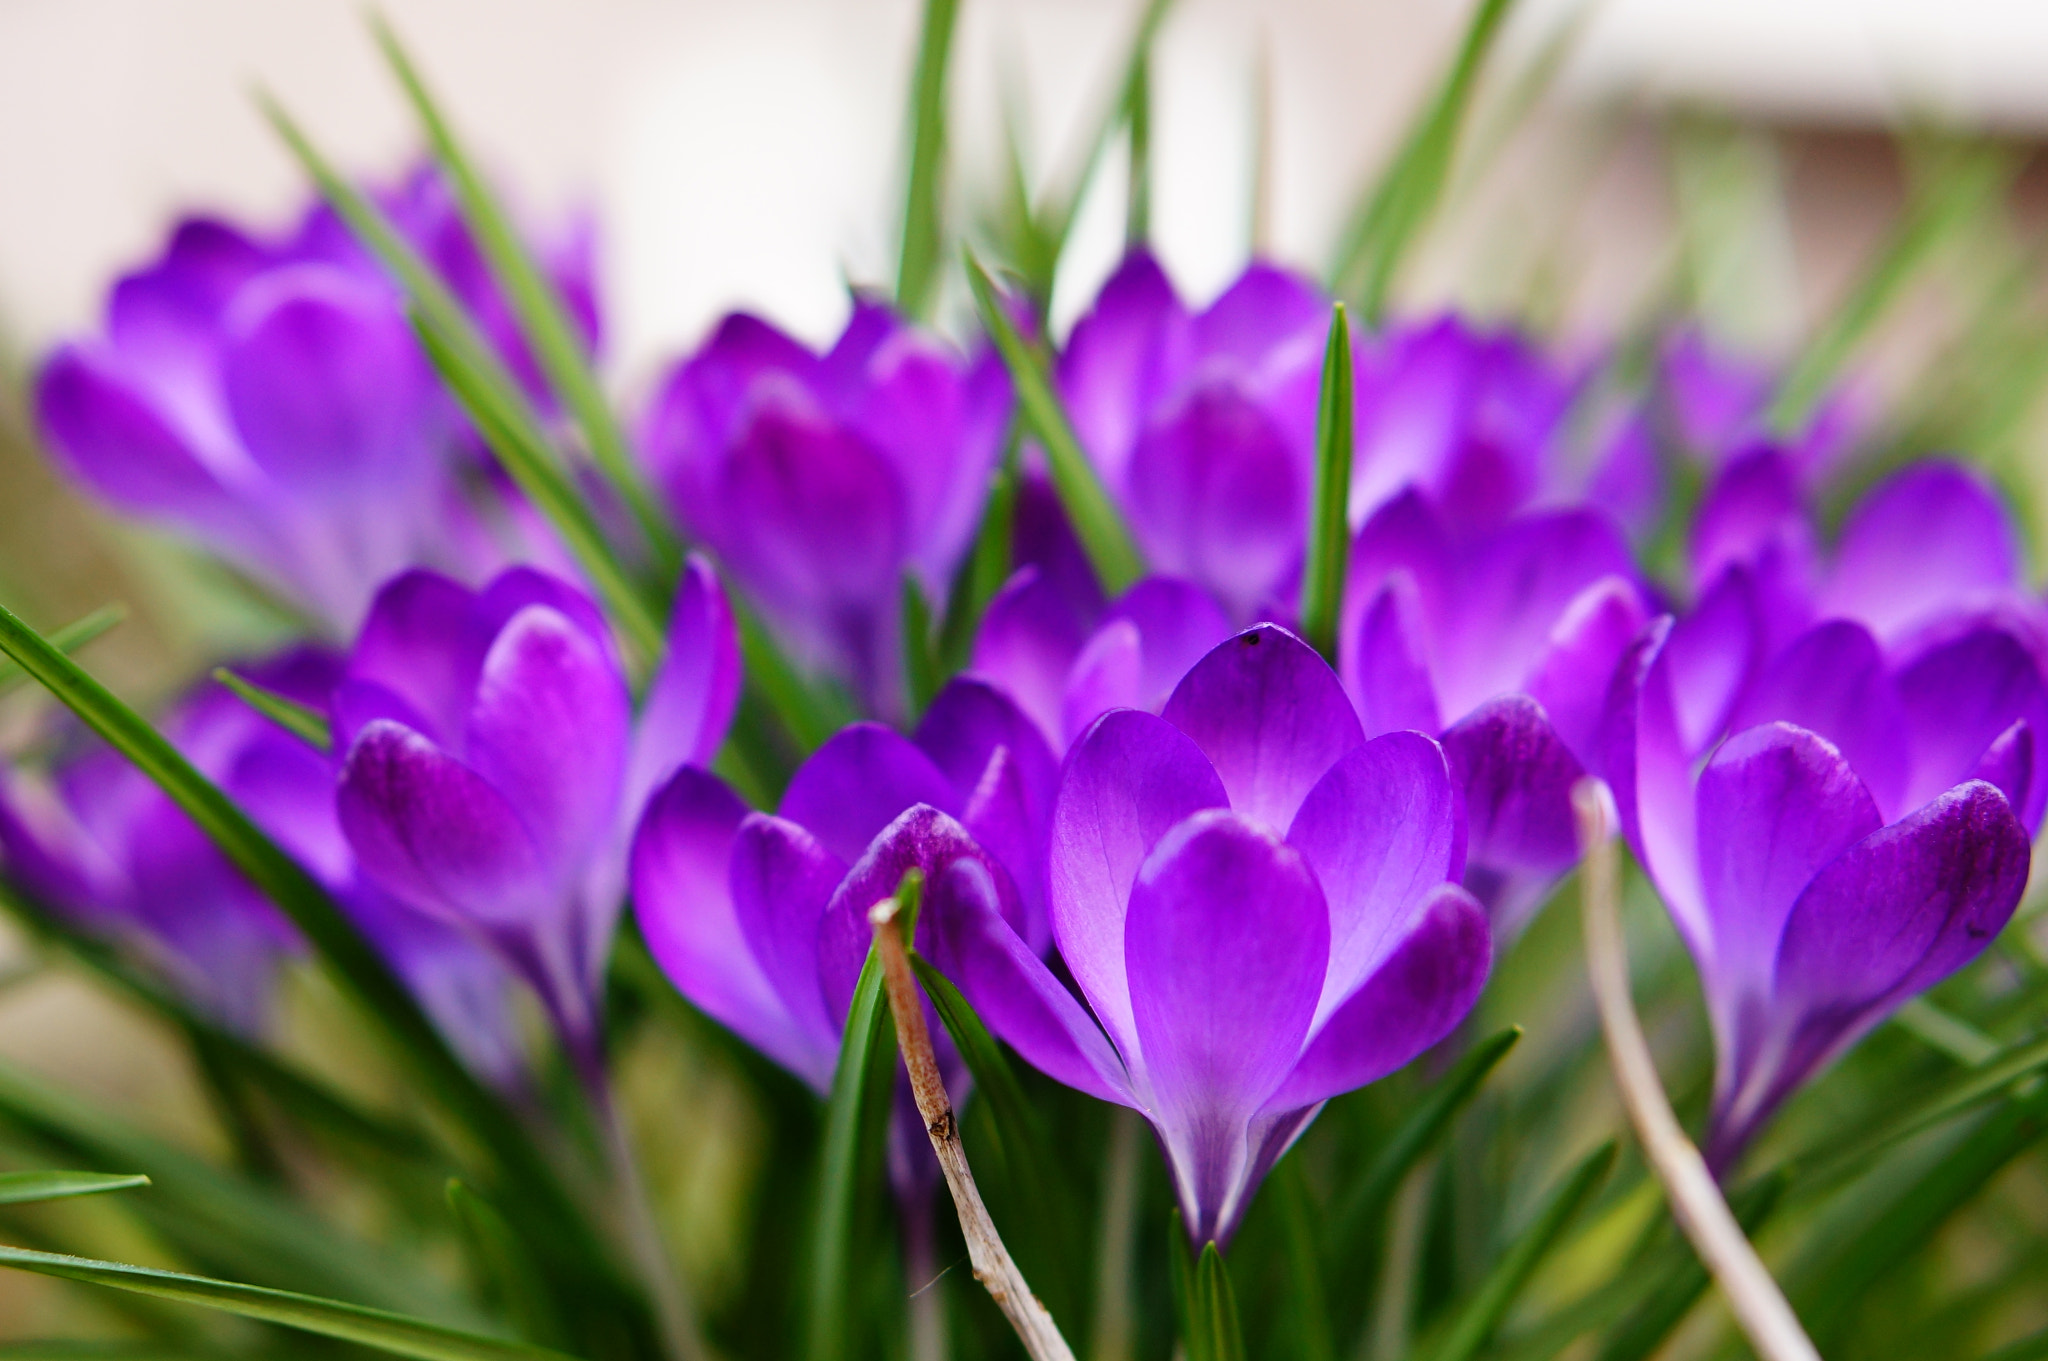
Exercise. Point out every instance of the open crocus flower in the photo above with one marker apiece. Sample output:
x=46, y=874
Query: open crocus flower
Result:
x=1861, y=834
x=494, y=769
x=1203, y=424
x=761, y=919
x=1504, y=641
x=1257, y=904
x=106, y=847
x=268, y=396
x=820, y=481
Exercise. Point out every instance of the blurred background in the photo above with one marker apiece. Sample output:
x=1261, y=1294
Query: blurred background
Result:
x=1742, y=161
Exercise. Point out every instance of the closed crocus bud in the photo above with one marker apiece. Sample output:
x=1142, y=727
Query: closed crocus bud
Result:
x=822, y=481
x=1504, y=641
x=267, y=397
x=1202, y=424
x=1259, y=907
x=494, y=767
x=761, y=919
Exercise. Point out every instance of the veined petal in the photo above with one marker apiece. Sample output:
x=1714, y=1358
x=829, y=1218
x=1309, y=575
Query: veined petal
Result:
x=1960, y=696
x=1517, y=777
x=1006, y=779
x=422, y=642
x=858, y=783
x=781, y=882
x=1386, y=662
x=1832, y=681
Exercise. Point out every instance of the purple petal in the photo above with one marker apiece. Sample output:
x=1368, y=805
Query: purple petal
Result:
x=1006, y=778
x=1109, y=674
x=1270, y=715
x=2009, y=766
x=171, y=311
x=683, y=899
x=782, y=880
x=858, y=783
x=1122, y=359
x=1228, y=943
x=1960, y=696
x=423, y=643
x=1710, y=656
x=1756, y=505
x=1386, y=663
x=1027, y=643
x=1832, y=681
x=1716, y=396
x=703, y=402
x=1517, y=776
x=328, y=388
x=1416, y=995
x=1643, y=756
x=1381, y=831
x=1931, y=538
x=1178, y=623
x=1572, y=678
x=691, y=700
x=1266, y=313
x=1130, y=780
x=1012, y=990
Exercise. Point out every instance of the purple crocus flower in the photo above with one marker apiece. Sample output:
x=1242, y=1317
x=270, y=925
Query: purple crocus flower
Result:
x=821, y=481
x=1502, y=640
x=102, y=844
x=268, y=397
x=494, y=768
x=1203, y=424
x=761, y=919
x=1854, y=830
x=1257, y=904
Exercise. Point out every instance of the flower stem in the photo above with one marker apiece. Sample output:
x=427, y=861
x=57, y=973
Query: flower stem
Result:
x=993, y=1265
x=1696, y=1201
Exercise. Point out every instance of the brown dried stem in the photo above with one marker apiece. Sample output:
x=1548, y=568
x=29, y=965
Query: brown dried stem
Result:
x=1696, y=1201
x=991, y=1261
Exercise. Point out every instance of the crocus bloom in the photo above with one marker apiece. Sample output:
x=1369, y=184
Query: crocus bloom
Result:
x=1503, y=640
x=821, y=481
x=268, y=397
x=1257, y=904
x=1861, y=833
x=105, y=846
x=1203, y=424
x=494, y=768
x=761, y=919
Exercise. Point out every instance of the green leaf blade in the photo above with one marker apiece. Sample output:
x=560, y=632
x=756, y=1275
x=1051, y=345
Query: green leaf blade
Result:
x=917, y=272
x=1329, y=537
x=23, y=1188
x=854, y=1118
x=68, y=639
x=302, y=721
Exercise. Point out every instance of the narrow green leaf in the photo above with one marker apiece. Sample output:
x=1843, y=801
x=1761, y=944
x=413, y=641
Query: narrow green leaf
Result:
x=1215, y=1317
x=1474, y=1324
x=19, y=1188
x=1329, y=530
x=986, y=569
x=302, y=721
x=2031, y=1348
x=1392, y=212
x=489, y=394
x=854, y=1118
x=1195, y=1339
x=543, y=316
x=1310, y=1305
x=1097, y=524
x=1138, y=122
x=920, y=646
x=810, y=713
x=506, y=1266
x=917, y=272
x=387, y=1332
x=68, y=639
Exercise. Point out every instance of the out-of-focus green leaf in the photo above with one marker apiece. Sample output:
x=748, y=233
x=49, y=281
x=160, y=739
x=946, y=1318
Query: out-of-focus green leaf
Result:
x=1329, y=530
x=1210, y=1327
x=1309, y=1305
x=986, y=569
x=489, y=393
x=1097, y=524
x=920, y=646
x=855, y=1118
x=2033, y=1348
x=1667, y=1294
x=1473, y=1324
x=387, y=1332
x=1138, y=122
x=507, y=1267
x=1392, y=213
x=68, y=639
x=302, y=721
x=102, y=1351
x=917, y=272
x=810, y=712
x=20, y=1188
x=543, y=316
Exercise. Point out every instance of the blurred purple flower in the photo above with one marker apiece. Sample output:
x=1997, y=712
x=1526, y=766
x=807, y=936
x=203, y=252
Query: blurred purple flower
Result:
x=1203, y=424
x=1255, y=902
x=820, y=481
x=1504, y=641
x=761, y=919
x=106, y=847
x=494, y=769
x=268, y=397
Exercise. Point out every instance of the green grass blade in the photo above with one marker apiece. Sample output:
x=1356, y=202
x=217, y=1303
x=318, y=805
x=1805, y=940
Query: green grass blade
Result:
x=302, y=721
x=920, y=646
x=1138, y=121
x=487, y=390
x=505, y=1265
x=21, y=1188
x=1215, y=1332
x=68, y=639
x=1329, y=530
x=809, y=712
x=1391, y=213
x=543, y=316
x=917, y=271
x=986, y=569
x=1310, y=1302
x=854, y=1120
x=1097, y=524
x=387, y=1332
x=1474, y=1324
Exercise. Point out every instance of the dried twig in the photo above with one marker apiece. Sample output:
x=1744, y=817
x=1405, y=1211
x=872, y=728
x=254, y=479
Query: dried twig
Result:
x=992, y=1263
x=1696, y=1202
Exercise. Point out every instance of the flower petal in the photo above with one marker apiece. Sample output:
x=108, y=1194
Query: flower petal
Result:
x=1027, y=643
x=1832, y=681
x=1266, y=313
x=1517, y=776
x=1270, y=715
x=782, y=881
x=691, y=700
x=1756, y=505
x=424, y=643
x=1121, y=359
x=1415, y=996
x=858, y=783
x=1006, y=779
x=1931, y=538
x=1960, y=696
x=1572, y=677
x=1386, y=662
